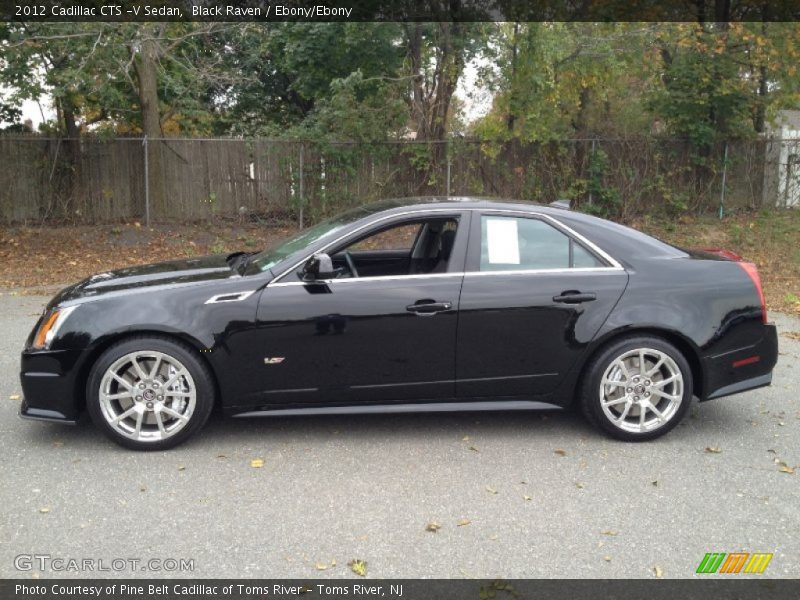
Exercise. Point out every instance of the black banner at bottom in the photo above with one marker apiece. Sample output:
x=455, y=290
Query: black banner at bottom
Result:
x=713, y=588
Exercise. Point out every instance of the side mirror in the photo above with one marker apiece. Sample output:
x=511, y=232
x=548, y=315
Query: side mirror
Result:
x=319, y=266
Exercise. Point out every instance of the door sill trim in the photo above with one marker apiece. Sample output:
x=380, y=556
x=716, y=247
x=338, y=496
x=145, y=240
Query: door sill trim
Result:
x=480, y=406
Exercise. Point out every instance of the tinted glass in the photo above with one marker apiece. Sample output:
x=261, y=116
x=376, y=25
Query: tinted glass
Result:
x=511, y=243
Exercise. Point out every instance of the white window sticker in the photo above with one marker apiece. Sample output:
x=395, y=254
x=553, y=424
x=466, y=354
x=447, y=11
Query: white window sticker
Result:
x=503, y=242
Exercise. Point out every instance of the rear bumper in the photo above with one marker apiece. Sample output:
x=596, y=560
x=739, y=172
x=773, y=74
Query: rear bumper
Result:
x=42, y=414
x=49, y=385
x=742, y=369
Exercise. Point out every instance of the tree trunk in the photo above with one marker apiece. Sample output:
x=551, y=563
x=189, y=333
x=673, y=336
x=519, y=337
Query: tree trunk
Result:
x=75, y=205
x=759, y=115
x=414, y=48
x=145, y=63
x=511, y=117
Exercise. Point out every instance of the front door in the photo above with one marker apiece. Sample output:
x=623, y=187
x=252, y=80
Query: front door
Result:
x=384, y=333
x=533, y=298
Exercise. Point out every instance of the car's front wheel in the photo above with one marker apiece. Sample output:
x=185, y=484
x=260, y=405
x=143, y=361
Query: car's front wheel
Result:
x=637, y=388
x=149, y=393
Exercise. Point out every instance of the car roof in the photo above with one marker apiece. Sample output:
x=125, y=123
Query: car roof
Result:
x=432, y=202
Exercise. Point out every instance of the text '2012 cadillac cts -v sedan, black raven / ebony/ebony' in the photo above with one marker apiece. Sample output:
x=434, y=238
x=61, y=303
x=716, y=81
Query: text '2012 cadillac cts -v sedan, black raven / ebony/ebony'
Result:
x=415, y=305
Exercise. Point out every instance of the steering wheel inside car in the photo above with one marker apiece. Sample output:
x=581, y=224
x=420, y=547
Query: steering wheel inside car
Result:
x=351, y=265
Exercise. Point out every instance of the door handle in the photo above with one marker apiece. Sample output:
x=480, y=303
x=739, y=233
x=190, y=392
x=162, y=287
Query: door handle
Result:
x=575, y=297
x=424, y=307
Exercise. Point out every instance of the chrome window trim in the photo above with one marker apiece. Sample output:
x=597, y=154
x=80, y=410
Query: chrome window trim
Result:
x=576, y=270
x=615, y=266
x=365, y=279
x=545, y=271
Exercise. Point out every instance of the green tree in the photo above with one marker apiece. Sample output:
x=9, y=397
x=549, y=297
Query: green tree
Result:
x=284, y=72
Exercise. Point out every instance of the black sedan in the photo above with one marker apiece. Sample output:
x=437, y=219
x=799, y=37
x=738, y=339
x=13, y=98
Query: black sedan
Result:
x=423, y=305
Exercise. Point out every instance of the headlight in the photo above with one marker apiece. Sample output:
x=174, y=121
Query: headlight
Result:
x=50, y=326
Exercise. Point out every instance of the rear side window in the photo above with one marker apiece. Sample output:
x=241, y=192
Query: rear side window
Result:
x=516, y=243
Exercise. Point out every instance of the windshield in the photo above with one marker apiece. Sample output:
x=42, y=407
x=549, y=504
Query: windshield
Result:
x=282, y=250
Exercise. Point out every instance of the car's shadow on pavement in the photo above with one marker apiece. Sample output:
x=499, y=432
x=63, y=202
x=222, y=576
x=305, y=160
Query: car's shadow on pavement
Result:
x=511, y=426
x=405, y=426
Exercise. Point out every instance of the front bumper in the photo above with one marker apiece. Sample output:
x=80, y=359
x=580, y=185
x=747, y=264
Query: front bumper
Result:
x=743, y=369
x=49, y=387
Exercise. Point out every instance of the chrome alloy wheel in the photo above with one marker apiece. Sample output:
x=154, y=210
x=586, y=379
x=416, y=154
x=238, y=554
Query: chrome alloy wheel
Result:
x=147, y=396
x=641, y=390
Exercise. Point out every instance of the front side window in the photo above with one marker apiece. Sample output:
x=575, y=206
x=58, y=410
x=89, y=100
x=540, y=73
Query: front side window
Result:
x=416, y=247
x=275, y=254
x=516, y=243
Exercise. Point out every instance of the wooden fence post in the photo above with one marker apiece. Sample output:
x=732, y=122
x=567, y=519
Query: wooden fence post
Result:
x=146, y=184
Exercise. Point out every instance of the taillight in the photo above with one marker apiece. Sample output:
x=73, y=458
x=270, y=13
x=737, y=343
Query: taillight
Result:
x=752, y=272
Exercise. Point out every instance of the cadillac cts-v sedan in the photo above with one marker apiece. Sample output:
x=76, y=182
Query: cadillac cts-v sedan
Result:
x=407, y=305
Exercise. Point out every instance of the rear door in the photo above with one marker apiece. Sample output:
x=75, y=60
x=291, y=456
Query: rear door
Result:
x=534, y=295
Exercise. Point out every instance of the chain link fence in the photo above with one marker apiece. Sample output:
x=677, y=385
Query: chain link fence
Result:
x=94, y=180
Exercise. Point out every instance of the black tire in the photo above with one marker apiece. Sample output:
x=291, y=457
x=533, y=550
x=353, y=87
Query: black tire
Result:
x=186, y=356
x=590, y=389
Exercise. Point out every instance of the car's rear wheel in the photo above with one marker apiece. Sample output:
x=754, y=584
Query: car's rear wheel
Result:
x=637, y=388
x=149, y=393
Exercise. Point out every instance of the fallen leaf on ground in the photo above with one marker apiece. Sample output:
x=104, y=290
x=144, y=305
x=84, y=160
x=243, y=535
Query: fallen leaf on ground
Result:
x=491, y=490
x=607, y=558
x=257, y=463
x=792, y=335
x=44, y=510
x=321, y=566
x=463, y=522
x=610, y=532
x=579, y=485
x=465, y=438
x=655, y=483
x=658, y=571
x=359, y=567
x=181, y=468
x=560, y=452
x=473, y=448
x=784, y=468
x=527, y=498
x=14, y=397
x=433, y=527
x=713, y=449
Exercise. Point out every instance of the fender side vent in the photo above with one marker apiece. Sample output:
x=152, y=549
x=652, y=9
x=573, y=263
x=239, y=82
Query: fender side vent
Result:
x=234, y=297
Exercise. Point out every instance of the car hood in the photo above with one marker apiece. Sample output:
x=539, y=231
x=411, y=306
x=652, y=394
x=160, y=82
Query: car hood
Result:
x=147, y=277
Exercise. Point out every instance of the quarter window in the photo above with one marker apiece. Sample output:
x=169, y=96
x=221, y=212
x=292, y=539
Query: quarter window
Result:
x=512, y=243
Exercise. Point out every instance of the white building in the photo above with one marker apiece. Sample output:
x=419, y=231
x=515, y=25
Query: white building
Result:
x=782, y=164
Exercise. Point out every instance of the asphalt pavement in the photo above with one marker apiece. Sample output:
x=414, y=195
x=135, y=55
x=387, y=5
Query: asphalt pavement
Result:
x=513, y=494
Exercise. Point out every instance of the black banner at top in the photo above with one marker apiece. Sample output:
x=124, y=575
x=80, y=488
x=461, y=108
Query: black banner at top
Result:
x=400, y=10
